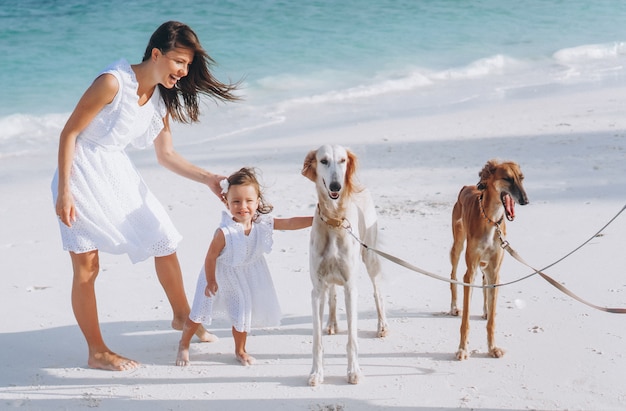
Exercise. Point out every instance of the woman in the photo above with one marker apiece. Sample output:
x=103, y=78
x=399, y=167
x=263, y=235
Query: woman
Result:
x=101, y=200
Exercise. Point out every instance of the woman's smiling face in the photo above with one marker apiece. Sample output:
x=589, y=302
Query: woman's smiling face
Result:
x=174, y=65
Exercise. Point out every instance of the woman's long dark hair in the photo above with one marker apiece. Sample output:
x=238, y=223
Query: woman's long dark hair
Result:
x=199, y=80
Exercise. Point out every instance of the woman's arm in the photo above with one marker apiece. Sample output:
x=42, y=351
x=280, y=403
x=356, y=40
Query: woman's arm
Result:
x=215, y=248
x=101, y=92
x=293, y=223
x=170, y=159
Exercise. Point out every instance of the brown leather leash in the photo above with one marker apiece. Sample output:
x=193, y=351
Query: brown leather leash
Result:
x=505, y=245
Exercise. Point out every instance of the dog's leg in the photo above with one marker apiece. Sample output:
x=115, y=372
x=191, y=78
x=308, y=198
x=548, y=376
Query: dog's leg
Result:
x=317, y=301
x=485, y=297
x=492, y=296
x=368, y=232
x=372, y=264
x=331, y=326
x=354, y=371
x=463, y=351
x=458, y=235
x=383, y=327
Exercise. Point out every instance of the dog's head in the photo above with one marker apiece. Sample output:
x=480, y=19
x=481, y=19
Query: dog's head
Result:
x=506, y=179
x=333, y=170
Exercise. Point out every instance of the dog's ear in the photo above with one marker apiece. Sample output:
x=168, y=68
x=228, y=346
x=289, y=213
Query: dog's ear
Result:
x=351, y=184
x=309, y=169
x=486, y=173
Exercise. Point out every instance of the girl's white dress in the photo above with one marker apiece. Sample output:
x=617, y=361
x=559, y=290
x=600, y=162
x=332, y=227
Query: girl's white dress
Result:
x=246, y=294
x=116, y=212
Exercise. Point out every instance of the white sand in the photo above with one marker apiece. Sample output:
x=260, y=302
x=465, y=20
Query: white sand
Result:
x=560, y=354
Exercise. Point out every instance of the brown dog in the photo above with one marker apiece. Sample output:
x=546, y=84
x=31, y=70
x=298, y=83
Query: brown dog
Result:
x=478, y=217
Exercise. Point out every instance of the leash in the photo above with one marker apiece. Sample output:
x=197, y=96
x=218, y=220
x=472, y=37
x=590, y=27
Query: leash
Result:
x=506, y=246
x=345, y=224
x=553, y=282
x=410, y=266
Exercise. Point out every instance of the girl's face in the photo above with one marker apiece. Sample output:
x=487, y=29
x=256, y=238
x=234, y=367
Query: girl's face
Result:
x=242, y=202
x=174, y=65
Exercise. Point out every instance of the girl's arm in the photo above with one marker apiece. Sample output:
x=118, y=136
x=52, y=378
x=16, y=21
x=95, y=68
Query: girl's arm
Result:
x=293, y=223
x=101, y=92
x=170, y=159
x=215, y=248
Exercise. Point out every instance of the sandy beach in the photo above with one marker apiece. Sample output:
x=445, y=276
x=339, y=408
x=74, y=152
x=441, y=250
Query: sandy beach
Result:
x=560, y=354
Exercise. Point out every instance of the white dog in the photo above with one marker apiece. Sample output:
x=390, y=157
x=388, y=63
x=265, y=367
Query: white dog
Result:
x=334, y=253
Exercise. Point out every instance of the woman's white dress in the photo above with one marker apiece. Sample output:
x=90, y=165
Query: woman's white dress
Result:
x=116, y=211
x=246, y=294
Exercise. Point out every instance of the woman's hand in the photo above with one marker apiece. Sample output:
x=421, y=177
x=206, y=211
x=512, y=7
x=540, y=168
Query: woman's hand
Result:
x=65, y=208
x=213, y=182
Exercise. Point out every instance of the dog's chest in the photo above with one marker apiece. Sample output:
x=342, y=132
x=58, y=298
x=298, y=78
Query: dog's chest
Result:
x=334, y=254
x=488, y=246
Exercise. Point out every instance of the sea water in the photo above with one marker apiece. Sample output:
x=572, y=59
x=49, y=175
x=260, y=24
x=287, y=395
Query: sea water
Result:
x=342, y=60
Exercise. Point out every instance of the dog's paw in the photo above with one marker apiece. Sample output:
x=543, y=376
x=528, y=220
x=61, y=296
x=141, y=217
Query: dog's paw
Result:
x=316, y=378
x=354, y=377
x=454, y=312
x=332, y=329
x=496, y=352
x=462, y=354
x=383, y=332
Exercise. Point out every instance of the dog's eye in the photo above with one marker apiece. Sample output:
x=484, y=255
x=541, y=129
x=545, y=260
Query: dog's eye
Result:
x=324, y=161
x=343, y=160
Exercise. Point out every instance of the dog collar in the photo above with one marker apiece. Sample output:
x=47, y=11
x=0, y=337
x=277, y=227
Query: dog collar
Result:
x=333, y=222
x=482, y=210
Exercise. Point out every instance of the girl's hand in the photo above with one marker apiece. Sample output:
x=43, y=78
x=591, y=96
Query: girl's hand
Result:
x=65, y=209
x=211, y=289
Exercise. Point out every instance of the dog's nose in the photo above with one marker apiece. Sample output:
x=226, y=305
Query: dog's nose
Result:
x=523, y=199
x=334, y=186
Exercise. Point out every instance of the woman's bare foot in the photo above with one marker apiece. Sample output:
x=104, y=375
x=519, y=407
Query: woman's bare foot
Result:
x=112, y=362
x=201, y=332
x=182, y=358
x=245, y=359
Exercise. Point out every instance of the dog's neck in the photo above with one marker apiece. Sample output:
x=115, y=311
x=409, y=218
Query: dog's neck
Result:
x=331, y=212
x=494, y=213
x=333, y=222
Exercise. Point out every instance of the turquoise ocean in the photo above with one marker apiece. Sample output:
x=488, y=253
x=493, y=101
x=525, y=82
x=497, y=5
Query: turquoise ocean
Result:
x=339, y=61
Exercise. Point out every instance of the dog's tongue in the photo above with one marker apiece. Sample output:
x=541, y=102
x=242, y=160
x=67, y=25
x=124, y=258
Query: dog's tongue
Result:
x=509, y=205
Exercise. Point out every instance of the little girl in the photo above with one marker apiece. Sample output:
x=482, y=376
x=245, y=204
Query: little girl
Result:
x=235, y=265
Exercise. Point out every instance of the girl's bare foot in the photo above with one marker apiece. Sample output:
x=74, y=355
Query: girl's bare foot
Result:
x=182, y=358
x=245, y=359
x=112, y=362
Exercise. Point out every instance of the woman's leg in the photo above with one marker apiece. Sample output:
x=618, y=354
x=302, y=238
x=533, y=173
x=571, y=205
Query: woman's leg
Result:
x=182, y=357
x=171, y=279
x=86, y=267
x=240, y=348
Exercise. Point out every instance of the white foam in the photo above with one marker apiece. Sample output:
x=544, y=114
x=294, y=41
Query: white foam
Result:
x=21, y=134
x=591, y=52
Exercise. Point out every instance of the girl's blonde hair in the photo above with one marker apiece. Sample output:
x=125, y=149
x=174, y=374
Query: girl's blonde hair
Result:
x=248, y=176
